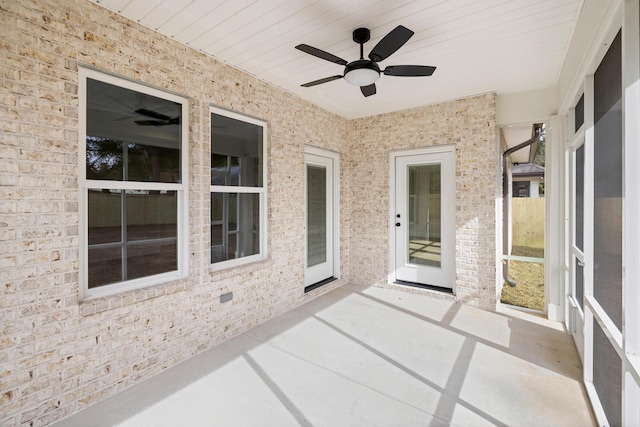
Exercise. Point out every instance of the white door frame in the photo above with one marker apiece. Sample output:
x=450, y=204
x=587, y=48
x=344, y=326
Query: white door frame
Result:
x=575, y=314
x=335, y=178
x=448, y=183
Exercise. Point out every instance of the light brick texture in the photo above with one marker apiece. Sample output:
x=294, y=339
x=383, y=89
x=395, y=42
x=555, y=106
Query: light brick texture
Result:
x=469, y=125
x=59, y=354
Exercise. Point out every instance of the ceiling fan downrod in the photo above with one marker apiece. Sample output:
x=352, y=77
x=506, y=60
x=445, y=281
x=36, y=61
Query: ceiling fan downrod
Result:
x=361, y=36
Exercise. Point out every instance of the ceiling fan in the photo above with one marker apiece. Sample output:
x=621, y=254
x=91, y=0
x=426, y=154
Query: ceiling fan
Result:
x=160, y=119
x=365, y=72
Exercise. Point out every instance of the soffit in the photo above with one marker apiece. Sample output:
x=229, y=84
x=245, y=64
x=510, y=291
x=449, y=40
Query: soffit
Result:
x=516, y=135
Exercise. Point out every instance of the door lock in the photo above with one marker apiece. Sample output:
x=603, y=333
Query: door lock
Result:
x=397, y=224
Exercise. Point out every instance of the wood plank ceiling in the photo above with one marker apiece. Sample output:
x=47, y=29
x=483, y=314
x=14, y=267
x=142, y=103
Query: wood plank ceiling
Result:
x=478, y=46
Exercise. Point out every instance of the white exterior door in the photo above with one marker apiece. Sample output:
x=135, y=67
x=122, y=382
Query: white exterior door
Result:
x=424, y=217
x=320, y=218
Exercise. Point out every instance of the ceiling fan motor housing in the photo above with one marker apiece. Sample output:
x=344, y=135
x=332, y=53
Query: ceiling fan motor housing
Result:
x=360, y=64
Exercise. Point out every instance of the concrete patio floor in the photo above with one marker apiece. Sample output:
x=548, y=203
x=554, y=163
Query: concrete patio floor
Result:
x=361, y=356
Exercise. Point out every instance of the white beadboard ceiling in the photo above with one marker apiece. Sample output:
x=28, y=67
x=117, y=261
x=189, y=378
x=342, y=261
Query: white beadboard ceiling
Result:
x=478, y=46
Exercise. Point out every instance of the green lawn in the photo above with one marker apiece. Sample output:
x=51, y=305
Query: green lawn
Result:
x=529, y=276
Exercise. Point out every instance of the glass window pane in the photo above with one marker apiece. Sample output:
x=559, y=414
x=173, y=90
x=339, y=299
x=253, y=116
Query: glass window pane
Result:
x=150, y=163
x=105, y=216
x=234, y=171
x=216, y=234
x=236, y=161
x=424, y=215
x=217, y=228
x=232, y=211
x=242, y=143
x=232, y=246
x=237, y=234
x=217, y=254
x=316, y=215
x=151, y=214
x=219, y=169
x=124, y=123
x=579, y=284
x=607, y=208
x=105, y=266
x=151, y=258
x=217, y=207
x=104, y=158
x=151, y=217
x=249, y=225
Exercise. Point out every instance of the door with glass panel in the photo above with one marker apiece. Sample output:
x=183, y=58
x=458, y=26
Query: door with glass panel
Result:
x=424, y=218
x=319, y=259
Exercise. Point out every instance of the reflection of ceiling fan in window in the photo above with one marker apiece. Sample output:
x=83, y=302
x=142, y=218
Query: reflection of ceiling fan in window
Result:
x=160, y=119
x=155, y=118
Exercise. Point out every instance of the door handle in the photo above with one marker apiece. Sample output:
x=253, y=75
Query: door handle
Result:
x=397, y=224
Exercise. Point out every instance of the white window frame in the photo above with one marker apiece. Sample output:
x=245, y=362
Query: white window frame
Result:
x=260, y=191
x=85, y=184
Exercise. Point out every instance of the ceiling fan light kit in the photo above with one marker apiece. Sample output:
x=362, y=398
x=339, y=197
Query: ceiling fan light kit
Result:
x=365, y=72
x=362, y=73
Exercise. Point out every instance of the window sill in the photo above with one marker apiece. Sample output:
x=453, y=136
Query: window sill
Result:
x=97, y=305
x=232, y=268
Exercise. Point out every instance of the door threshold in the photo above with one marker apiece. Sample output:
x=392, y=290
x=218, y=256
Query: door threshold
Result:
x=318, y=284
x=424, y=286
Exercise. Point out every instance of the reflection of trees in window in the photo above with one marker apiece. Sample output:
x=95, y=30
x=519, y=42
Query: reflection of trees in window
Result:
x=110, y=159
x=132, y=230
x=151, y=163
x=104, y=158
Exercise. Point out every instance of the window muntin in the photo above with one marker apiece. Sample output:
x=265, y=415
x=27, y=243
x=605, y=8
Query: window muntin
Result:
x=238, y=194
x=132, y=172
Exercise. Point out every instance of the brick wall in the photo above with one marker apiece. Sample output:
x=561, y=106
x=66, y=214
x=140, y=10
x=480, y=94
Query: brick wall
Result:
x=469, y=124
x=58, y=354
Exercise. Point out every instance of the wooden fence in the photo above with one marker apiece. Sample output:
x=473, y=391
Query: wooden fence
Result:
x=105, y=209
x=527, y=219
